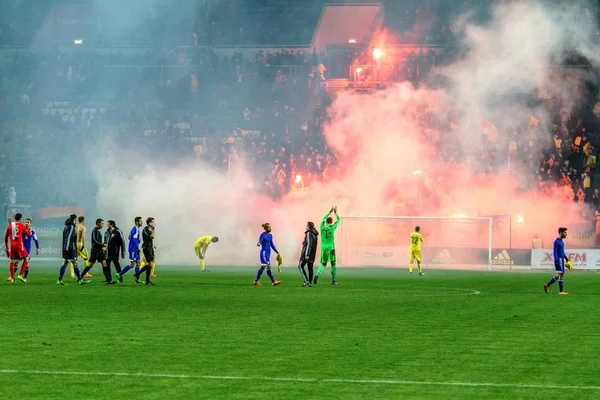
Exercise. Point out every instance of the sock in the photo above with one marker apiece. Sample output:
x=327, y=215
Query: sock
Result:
x=561, y=285
x=419, y=267
x=61, y=274
x=320, y=270
x=270, y=275
x=12, y=270
x=551, y=281
x=77, y=272
x=153, y=267
x=410, y=268
x=333, y=272
x=107, y=274
x=202, y=265
x=72, y=269
x=148, y=271
x=124, y=270
x=259, y=274
x=136, y=270
x=26, y=273
x=24, y=268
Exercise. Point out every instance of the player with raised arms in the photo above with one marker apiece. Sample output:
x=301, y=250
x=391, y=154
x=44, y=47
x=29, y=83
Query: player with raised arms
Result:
x=265, y=242
x=27, y=242
x=415, y=250
x=560, y=262
x=328, y=227
x=201, y=246
x=16, y=233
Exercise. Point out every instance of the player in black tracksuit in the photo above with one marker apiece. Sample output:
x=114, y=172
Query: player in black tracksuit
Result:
x=97, y=251
x=115, y=248
x=309, y=253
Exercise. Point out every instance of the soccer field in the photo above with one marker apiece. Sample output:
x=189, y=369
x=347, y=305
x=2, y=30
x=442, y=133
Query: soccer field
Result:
x=381, y=334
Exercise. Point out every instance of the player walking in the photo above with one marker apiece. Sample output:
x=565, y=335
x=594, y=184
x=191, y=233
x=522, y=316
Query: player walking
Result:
x=81, y=250
x=265, y=242
x=97, y=250
x=201, y=246
x=560, y=262
x=27, y=242
x=415, y=250
x=135, y=254
x=328, y=227
x=147, y=250
x=115, y=247
x=308, y=254
x=69, y=251
x=16, y=232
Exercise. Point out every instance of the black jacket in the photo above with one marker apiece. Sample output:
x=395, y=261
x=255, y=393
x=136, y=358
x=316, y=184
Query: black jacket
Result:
x=115, y=244
x=97, y=242
x=309, y=245
x=69, y=242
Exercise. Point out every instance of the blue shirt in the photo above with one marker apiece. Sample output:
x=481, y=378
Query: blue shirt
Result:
x=559, y=251
x=135, y=237
x=27, y=241
x=266, y=242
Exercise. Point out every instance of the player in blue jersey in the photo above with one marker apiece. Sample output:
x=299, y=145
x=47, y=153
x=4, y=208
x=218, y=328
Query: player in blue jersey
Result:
x=27, y=242
x=265, y=242
x=560, y=262
x=135, y=254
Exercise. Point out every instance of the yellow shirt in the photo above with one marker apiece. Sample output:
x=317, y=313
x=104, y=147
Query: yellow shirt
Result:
x=415, y=241
x=203, y=241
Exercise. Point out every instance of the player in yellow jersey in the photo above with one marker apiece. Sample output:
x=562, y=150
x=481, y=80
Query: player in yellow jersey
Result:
x=80, y=231
x=415, y=250
x=200, y=248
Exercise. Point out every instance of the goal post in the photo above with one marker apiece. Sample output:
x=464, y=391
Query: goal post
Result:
x=383, y=241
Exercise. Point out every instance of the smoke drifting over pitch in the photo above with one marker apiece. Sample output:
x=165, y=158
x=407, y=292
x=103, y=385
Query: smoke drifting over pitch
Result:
x=380, y=140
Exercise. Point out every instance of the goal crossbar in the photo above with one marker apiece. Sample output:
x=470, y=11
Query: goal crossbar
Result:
x=489, y=220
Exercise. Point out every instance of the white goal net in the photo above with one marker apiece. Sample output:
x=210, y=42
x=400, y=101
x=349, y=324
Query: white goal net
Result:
x=384, y=241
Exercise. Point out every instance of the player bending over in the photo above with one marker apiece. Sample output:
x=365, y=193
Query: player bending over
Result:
x=560, y=262
x=200, y=248
x=27, y=242
x=69, y=251
x=135, y=253
x=265, y=242
x=309, y=253
x=16, y=233
x=328, y=227
x=415, y=250
x=81, y=250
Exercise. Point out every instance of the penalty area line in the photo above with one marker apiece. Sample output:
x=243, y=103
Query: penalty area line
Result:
x=313, y=380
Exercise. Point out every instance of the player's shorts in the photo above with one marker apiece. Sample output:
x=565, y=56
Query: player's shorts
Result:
x=265, y=258
x=559, y=266
x=82, y=252
x=415, y=255
x=18, y=253
x=148, y=254
x=327, y=255
x=135, y=256
x=69, y=255
x=97, y=255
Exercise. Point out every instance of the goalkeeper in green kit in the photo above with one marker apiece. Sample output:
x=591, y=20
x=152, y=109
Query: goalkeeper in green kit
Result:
x=328, y=228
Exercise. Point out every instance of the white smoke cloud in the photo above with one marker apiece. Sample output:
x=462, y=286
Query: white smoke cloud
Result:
x=380, y=140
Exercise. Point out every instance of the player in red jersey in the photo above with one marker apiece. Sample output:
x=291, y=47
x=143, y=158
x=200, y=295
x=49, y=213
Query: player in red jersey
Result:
x=15, y=232
x=7, y=249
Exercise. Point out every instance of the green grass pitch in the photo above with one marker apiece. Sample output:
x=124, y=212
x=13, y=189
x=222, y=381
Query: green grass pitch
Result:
x=381, y=334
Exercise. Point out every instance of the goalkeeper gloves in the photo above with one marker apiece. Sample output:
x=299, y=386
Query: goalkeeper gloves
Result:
x=279, y=262
x=569, y=264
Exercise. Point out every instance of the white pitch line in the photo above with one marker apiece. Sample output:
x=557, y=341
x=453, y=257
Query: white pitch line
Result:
x=314, y=380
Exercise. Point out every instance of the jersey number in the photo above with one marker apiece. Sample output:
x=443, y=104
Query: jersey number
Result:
x=15, y=232
x=414, y=240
